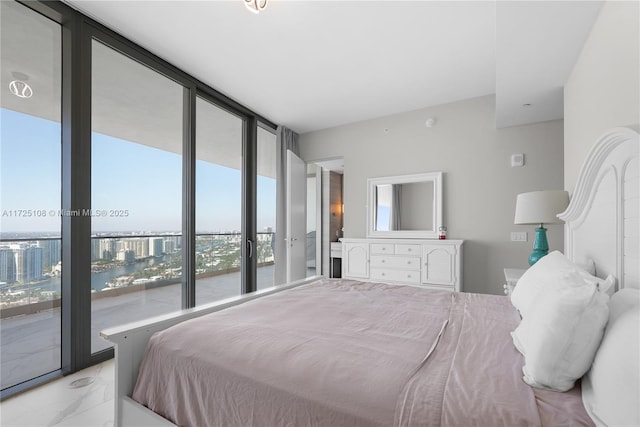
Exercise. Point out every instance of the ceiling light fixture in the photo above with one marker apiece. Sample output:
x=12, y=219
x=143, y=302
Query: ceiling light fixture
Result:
x=20, y=89
x=255, y=6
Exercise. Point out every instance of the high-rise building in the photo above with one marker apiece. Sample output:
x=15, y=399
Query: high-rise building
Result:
x=168, y=246
x=28, y=263
x=156, y=246
x=7, y=265
x=95, y=250
x=176, y=240
x=139, y=245
x=126, y=255
x=51, y=253
x=107, y=249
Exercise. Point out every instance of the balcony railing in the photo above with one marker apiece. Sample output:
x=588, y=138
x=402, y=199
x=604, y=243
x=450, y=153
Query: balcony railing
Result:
x=137, y=286
x=30, y=268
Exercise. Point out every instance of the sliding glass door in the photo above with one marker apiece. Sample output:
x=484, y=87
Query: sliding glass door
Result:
x=136, y=192
x=219, y=169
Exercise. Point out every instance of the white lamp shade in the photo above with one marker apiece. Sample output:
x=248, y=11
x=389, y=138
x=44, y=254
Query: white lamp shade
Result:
x=538, y=207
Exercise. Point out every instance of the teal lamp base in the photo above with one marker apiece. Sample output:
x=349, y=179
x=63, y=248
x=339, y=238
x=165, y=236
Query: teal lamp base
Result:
x=540, y=245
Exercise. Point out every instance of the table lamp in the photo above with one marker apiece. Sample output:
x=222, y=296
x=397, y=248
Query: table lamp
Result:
x=540, y=207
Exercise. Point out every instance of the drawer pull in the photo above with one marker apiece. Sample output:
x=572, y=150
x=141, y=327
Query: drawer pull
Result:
x=409, y=262
x=382, y=274
x=409, y=250
x=408, y=276
x=382, y=261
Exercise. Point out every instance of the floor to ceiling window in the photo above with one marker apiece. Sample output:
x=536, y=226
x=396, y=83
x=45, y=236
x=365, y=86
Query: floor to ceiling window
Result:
x=136, y=192
x=123, y=195
x=219, y=136
x=30, y=170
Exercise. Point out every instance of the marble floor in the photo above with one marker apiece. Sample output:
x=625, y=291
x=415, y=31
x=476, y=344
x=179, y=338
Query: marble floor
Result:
x=65, y=401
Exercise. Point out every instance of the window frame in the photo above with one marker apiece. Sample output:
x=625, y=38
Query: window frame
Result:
x=78, y=31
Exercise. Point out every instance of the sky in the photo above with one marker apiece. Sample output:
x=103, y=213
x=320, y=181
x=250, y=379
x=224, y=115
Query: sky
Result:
x=382, y=218
x=138, y=186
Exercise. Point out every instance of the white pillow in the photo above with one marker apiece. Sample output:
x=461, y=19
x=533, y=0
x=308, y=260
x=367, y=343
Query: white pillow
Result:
x=563, y=280
x=563, y=329
x=550, y=272
x=611, y=389
x=607, y=285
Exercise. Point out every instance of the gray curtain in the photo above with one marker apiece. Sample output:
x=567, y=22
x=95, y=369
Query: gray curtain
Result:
x=286, y=139
x=396, y=200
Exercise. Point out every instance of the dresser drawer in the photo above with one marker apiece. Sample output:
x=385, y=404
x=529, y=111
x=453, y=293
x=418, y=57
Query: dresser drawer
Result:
x=405, y=276
x=408, y=250
x=394, y=261
x=381, y=248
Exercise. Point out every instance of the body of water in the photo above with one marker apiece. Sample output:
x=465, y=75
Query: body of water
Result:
x=100, y=279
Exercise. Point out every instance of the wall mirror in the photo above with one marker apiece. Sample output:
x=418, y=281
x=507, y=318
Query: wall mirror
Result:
x=405, y=206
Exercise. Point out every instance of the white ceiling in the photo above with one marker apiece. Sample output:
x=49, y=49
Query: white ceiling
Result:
x=311, y=65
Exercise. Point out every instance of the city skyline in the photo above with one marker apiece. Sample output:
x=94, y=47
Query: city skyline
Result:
x=33, y=260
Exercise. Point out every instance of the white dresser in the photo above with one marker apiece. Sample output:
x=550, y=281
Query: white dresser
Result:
x=429, y=263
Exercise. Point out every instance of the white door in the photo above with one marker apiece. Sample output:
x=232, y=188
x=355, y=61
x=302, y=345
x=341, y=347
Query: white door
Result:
x=296, y=235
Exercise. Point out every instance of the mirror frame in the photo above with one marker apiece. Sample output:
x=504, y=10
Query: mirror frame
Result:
x=435, y=177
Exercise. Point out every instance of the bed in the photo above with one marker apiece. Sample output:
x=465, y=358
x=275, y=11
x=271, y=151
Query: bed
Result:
x=340, y=352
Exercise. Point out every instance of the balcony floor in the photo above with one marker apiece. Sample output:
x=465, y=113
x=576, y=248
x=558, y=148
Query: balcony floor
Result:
x=31, y=343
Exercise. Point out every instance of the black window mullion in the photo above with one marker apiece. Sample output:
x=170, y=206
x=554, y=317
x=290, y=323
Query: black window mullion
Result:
x=249, y=205
x=189, y=198
x=76, y=196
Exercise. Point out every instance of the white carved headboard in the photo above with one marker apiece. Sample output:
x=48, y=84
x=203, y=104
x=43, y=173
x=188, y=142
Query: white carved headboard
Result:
x=602, y=222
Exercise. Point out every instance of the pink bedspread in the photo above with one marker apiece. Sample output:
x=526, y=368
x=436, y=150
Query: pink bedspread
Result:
x=346, y=353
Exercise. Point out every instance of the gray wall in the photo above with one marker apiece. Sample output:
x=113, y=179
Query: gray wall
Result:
x=603, y=90
x=480, y=187
x=416, y=207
